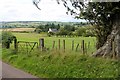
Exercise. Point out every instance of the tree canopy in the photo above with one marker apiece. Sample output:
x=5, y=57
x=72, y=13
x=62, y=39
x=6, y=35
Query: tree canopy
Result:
x=99, y=14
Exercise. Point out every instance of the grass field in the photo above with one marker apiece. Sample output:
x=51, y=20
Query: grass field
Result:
x=58, y=64
x=33, y=37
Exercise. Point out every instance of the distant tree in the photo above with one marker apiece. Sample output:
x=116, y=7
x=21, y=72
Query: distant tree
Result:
x=70, y=34
x=38, y=30
x=51, y=34
x=58, y=26
x=62, y=32
x=53, y=25
x=80, y=31
x=69, y=27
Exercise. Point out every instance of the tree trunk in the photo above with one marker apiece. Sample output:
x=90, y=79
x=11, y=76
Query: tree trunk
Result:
x=112, y=45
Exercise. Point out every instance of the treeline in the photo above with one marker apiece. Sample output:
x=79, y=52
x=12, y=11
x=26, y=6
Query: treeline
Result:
x=63, y=28
x=84, y=31
x=35, y=24
x=67, y=30
x=45, y=28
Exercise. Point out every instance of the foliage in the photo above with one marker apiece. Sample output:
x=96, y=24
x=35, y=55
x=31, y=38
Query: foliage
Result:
x=69, y=27
x=40, y=27
x=85, y=31
x=35, y=24
x=38, y=30
x=50, y=34
x=100, y=14
x=80, y=31
x=7, y=38
x=45, y=27
x=70, y=30
x=62, y=31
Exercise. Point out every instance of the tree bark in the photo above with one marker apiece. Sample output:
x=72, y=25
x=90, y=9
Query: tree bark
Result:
x=112, y=45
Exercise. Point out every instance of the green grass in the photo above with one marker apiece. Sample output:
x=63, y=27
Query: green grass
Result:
x=49, y=40
x=56, y=64
x=59, y=64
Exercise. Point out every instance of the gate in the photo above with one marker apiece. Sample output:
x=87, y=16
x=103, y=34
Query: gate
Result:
x=27, y=46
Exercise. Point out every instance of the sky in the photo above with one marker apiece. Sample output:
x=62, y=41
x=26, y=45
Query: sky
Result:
x=24, y=10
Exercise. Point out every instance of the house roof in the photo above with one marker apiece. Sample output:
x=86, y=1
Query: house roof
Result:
x=52, y=30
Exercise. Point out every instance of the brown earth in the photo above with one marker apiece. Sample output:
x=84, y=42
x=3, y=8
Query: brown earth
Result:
x=18, y=29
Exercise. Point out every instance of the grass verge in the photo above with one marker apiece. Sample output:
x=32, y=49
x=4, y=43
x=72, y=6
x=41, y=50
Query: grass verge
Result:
x=56, y=64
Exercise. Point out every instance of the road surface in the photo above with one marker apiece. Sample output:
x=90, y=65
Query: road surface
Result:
x=11, y=72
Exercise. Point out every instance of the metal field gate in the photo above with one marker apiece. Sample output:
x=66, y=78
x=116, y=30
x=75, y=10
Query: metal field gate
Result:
x=27, y=46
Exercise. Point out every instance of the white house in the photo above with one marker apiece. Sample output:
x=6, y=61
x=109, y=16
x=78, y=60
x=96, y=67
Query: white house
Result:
x=52, y=30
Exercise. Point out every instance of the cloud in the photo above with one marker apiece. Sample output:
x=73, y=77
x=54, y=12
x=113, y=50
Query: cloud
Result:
x=24, y=10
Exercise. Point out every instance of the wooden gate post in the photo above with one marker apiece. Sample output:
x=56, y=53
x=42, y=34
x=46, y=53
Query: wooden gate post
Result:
x=41, y=43
x=53, y=44
x=59, y=44
x=72, y=45
x=64, y=45
x=7, y=45
x=77, y=46
x=15, y=44
x=83, y=47
x=88, y=44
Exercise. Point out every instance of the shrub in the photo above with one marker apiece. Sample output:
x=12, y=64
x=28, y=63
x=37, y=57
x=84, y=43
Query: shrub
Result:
x=50, y=34
x=38, y=30
x=89, y=33
x=85, y=31
x=7, y=38
x=80, y=31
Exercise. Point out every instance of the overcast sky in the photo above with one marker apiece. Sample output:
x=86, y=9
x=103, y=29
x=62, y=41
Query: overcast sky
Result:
x=24, y=10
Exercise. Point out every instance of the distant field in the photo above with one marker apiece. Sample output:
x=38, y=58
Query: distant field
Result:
x=18, y=29
x=33, y=37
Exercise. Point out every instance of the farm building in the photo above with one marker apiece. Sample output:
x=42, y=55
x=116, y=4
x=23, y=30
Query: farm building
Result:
x=52, y=30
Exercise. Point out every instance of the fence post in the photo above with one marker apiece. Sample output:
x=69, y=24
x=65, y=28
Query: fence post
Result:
x=16, y=44
x=77, y=47
x=64, y=45
x=8, y=45
x=72, y=45
x=59, y=44
x=37, y=44
x=88, y=44
x=83, y=47
x=53, y=44
x=41, y=43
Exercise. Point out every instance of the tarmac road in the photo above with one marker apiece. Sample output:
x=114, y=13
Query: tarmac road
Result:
x=11, y=72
